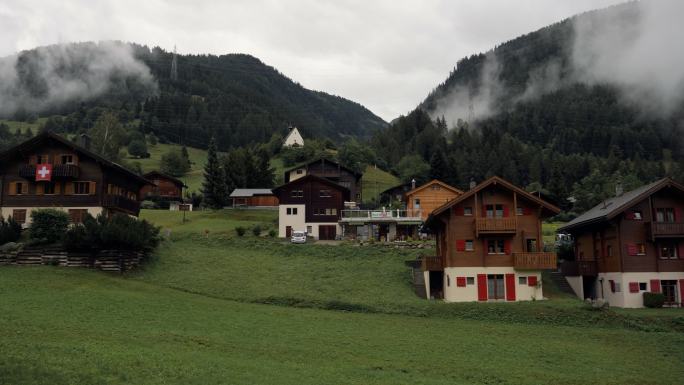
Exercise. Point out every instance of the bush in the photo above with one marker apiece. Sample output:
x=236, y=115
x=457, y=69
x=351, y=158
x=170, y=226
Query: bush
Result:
x=256, y=230
x=48, y=225
x=240, y=231
x=148, y=205
x=272, y=233
x=654, y=300
x=118, y=232
x=10, y=230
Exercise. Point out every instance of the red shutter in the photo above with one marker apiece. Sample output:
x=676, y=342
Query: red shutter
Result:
x=681, y=292
x=505, y=211
x=680, y=250
x=612, y=286
x=527, y=211
x=460, y=281
x=532, y=280
x=655, y=286
x=510, y=287
x=460, y=245
x=481, y=287
x=459, y=211
x=632, y=249
x=629, y=215
x=507, y=247
x=484, y=211
x=677, y=214
x=634, y=287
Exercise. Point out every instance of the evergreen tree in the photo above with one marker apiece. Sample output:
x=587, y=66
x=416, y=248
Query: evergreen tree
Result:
x=213, y=187
x=264, y=170
x=439, y=166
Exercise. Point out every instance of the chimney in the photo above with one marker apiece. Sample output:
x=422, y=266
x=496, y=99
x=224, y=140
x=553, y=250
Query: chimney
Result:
x=84, y=141
x=413, y=183
x=472, y=184
x=618, y=189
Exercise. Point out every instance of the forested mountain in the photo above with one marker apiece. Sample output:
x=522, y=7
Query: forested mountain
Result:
x=529, y=112
x=236, y=97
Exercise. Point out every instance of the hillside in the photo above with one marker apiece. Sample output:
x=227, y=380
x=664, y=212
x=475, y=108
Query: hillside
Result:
x=548, y=109
x=236, y=96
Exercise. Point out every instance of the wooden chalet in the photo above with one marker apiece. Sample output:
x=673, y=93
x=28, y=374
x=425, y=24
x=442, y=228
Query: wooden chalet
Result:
x=489, y=245
x=49, y=171
x=630, y=244
x=312, y=204
x=165, y=187
x=253, y=197
x=332, y=171
x=430, y=196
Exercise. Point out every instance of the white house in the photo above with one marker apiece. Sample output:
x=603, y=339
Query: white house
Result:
x=293, y=138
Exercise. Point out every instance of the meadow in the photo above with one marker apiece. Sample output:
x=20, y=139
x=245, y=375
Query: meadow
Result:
x=215, y=308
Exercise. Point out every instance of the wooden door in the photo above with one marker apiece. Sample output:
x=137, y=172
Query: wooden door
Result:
x=327, y=232
x=288, y=231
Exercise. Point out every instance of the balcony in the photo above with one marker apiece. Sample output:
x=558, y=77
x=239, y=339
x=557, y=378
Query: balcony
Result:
x=431, y=263
x=121, y=203
x=577, y=268
x=496, y=225
x=534, y=261
x=376, y=216
x=28, y=171
x=665, y=229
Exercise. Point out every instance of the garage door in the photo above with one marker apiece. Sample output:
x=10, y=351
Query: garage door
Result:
x=327, y=232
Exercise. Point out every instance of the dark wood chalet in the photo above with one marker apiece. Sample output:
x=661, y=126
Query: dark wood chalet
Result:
x=630, y=244
x=489, y=245
x=330, y=170
x=51, y=171
x=311, y=204
x=164, y=186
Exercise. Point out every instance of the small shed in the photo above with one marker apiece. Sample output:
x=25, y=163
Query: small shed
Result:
x=253, y=197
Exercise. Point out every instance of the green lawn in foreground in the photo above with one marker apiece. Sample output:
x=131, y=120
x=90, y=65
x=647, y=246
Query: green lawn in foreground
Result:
x=73, y=326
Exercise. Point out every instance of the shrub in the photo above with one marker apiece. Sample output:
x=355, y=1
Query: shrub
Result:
x=240, y=231
x=118, y=232
x=256, y=230
x=48, y=225
x=654, y=300
x=272, y=233
x=10, y=230
x=148, y=205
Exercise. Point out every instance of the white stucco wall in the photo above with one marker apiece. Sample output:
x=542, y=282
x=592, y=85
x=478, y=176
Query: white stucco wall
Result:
x=624, y=298
x=296, y=221
x=576, y=285
x=7, y=211
x=453, y=293
x=295, y=176
x=294, y=138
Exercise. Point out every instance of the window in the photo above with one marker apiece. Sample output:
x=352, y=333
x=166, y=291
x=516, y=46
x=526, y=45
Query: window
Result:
x=19, y=215
x=669, y=290
x=300, y=171
x=499, y=211
x=522, y=280
x=82, y=188
x=294, y=211
x=309, y=230
x=40, y=159
x=495, y=286
x=495, y=246
x=448, y=281
x=289, y=211
x=469, y=245
x=668, y=250
x=467, y=211
x=642, y=286
x=609, y=250
x=641, y=249
x=77, y=215
x=665, y=215
x=470, y=280
x=49, y=188
x=637, y=215
x=67, y=159
x=519, y=211
x=531, y=245
x=416, y=203
x=325, y=194
x=21, y=188
x=297, y=193
x=489, y=211
x=435, y=187
x=492, y=211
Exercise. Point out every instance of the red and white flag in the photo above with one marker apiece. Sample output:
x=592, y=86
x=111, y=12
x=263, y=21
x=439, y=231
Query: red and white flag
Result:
x=43, y=172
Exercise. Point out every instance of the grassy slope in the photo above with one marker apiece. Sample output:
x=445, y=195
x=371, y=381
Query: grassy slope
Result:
x=198, y=158
x=13, y=125
x=376, y=181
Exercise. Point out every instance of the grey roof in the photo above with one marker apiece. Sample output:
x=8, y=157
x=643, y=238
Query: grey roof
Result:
x=250, y=192
x=614, y=205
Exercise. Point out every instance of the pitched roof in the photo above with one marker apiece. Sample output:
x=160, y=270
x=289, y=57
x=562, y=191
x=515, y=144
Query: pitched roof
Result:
x=324, y=159
x=612, y=207
x=495, y=180
x=314, y=178
x=40, y=138
x=167, y=176
x=250, y=192
x=432, y=182
x=292, y=130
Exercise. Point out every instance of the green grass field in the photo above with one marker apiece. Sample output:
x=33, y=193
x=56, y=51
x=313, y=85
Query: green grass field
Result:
x=201, y=311
x=23, y=126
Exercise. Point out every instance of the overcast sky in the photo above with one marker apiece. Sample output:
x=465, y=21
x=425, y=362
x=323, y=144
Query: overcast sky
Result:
x=384, y=54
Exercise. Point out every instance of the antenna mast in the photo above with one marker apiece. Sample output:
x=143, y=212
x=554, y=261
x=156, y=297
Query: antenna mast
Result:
x=174, y=66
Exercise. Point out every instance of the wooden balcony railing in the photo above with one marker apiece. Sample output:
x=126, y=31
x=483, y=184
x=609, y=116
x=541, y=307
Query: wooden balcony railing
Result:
x=431, y=263
x=28, y=171
x=494, y=225
x=666, y=229
x=118, y=202
x=534, y=261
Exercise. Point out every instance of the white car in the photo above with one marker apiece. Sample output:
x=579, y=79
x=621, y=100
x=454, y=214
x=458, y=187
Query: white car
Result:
x=298, y=237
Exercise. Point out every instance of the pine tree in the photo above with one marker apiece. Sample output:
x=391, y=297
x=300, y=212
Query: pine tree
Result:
x=439, y=166
x=213, y=186
x=264, y=170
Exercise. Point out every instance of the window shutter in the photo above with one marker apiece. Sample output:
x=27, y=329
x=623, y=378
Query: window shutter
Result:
x=484, y=211
x=58, y=188
x=40, y=189
x=92, y=188
x=69, y=188
x=532, y=280
x=510, y=287
x=677, y=214
x=527, y=211
x=481, y=287
x=460, y=281
x=506, y=213
x=460, y=245
x=507, y=246
x=655, y=286
x=629, y=215
x=24, y=188
x=632, y=249
x=634, y=287
x=12, y=188
x=459, y=211
x=612, y=285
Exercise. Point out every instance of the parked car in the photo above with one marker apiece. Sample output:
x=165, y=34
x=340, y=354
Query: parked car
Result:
x=298, y=237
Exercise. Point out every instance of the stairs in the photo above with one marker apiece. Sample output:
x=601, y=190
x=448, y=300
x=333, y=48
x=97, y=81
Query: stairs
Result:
x=559, y=279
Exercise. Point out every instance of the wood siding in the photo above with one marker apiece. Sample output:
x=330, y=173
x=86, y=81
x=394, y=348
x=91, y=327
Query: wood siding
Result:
x=312, y=199
x=333, y=172
x=430, y=197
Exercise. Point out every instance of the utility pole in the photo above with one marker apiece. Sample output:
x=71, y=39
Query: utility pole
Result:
x=174, y=66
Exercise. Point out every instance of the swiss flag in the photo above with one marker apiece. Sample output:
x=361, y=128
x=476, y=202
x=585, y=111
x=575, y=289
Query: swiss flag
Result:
x=43, y=172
